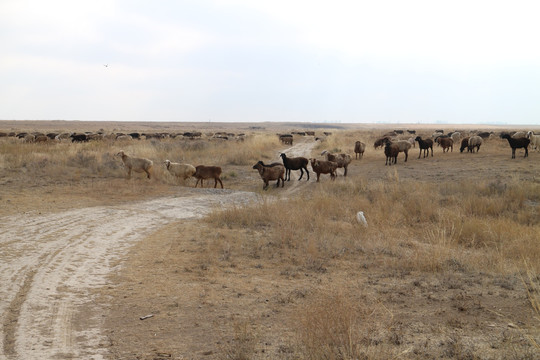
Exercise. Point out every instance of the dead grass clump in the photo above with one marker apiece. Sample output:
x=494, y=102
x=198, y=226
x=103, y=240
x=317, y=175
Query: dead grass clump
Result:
x=243, y=344
x=338, y=326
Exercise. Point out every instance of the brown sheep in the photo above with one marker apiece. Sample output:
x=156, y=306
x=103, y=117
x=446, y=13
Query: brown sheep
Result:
x=324, y=167
x=343, y=160
x=274, y=171
x=380, y=142
x=286, y=139
x=522, y=142
x=359, y=148
x=391, y=150
x=424, y=145
x=403, y=146
x=446, y=143
x=203, y=172
x=464, y=144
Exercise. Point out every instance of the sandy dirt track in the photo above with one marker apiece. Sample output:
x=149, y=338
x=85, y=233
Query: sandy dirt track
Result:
x=50, y=262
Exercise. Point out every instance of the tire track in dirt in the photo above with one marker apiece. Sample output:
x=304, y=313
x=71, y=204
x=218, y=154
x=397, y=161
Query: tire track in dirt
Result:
x=51, y=262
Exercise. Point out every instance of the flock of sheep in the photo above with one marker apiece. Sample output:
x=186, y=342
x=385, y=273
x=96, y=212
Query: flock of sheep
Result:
x=181, y=171
x=393, y=145
x=390, y=142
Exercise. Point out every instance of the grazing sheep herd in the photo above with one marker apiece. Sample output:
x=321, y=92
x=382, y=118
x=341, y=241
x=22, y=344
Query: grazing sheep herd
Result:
x=392, y=143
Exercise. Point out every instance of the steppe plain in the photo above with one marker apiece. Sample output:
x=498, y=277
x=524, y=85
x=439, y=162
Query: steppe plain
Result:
x=96, y=266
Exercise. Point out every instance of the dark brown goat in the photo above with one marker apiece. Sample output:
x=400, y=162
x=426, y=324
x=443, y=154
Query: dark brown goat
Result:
x=391, y=150
x=517, y=143
x=270, y=172
x=324, y=167
x=424, y=145
x=203, y=172
x=295, y=163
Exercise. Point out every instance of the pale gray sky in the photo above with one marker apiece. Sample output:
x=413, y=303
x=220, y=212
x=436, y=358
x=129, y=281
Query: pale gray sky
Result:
x=246, y=60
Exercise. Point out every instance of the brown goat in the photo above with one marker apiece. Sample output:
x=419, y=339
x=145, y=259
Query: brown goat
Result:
x=207, y=172
x=324, y=167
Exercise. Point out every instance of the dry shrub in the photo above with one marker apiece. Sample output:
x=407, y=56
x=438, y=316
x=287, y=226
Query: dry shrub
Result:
x=476, y=223
x=531, y=282
x=338, y=326
x=242, y=345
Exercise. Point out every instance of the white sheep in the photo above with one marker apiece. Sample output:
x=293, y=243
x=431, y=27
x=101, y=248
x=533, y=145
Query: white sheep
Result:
x=519, y=135
x=535, y=140
x=475, y=141
x=456, y=136
x=136, y=164
x=181, y=171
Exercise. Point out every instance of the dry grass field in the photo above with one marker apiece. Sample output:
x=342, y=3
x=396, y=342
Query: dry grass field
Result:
x=448, y=266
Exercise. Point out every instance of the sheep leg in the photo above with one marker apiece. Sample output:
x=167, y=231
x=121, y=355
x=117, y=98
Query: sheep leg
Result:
x=406, y=155
x=307, y=172
x=526, y=152
x=301, y=174
x=129, y=173
x=318, y=176
x=345, y=168
x=218, y=179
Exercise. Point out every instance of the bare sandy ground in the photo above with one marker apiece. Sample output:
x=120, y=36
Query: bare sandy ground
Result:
x=51, y=262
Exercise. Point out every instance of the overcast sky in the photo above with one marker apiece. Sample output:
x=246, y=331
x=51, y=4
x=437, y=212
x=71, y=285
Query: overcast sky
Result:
x=250, y=60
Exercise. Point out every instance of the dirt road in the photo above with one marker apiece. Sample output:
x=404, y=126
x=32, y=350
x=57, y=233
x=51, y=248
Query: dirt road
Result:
x=50, y=262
